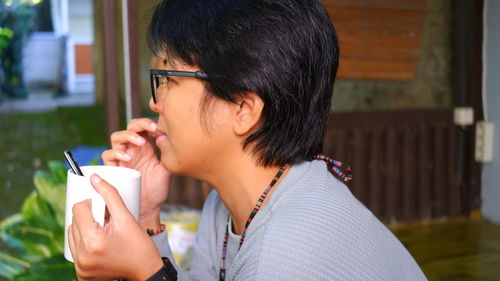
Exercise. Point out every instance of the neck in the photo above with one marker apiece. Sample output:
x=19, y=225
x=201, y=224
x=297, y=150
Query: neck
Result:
x=240, y=184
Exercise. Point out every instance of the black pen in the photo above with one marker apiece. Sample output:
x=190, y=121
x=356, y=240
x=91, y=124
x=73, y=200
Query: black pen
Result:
x=72, y=163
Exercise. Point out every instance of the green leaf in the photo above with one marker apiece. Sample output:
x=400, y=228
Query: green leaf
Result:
x=53, y=268
x=6, y=32
x=58, y=171
x=42, y=234
x=49, y=225
x=24, y=276
x=45, y=176
x=11, y=266
x=35, y=240
x=39, y=231
x=13, y=243
x=5, y=226
x=50, y=190
x=60, y=217
x=7, y=222
x=35, y=205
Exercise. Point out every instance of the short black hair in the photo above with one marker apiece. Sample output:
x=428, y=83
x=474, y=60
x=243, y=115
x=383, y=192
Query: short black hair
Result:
x=286, y=51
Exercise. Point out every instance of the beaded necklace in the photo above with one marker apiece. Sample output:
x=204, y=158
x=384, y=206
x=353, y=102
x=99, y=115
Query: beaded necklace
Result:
x=336, y=166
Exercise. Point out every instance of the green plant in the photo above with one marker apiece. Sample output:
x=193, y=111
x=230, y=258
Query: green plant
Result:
x=18, y=17
x=36, y=234
x=5, y=35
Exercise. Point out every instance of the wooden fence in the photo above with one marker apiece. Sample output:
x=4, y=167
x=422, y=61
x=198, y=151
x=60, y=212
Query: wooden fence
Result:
x=406, y=165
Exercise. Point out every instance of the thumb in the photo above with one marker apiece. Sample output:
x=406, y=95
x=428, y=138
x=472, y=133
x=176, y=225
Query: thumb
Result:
x=112, y=198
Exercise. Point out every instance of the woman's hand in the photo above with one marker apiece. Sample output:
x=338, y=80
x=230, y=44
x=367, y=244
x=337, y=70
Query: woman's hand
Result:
x=120, y=249
x=133, y=149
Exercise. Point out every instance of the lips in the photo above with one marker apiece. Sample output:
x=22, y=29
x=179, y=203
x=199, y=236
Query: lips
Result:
x=161, y=137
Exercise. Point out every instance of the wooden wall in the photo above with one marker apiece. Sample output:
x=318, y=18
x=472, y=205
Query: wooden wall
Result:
x=379, y=39
x=406, y=164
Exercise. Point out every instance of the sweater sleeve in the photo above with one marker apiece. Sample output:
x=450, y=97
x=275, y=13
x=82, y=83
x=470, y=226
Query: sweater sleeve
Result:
x=202, y=264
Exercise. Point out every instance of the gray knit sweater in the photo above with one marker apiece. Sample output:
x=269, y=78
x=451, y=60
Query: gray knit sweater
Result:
x=312, y=228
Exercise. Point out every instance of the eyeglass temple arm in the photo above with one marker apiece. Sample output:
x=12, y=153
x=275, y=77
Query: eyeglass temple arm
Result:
x=201, y=75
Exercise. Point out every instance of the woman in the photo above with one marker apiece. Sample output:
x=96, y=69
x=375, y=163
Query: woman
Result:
x=242, y=89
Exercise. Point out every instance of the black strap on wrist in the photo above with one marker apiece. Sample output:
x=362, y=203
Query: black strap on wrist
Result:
x=166, y=272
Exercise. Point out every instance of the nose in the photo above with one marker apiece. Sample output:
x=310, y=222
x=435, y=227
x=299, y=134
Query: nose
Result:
x=154, y=106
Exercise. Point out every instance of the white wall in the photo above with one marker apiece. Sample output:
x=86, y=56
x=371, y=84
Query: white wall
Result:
x=81, y=31
x=491, y=71
x=42, y=58
x=80, y=18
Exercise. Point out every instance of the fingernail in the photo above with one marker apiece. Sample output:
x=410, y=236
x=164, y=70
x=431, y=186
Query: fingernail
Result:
x=95, y=178
x=139, y=140
x=154, y=126
x=122, y=156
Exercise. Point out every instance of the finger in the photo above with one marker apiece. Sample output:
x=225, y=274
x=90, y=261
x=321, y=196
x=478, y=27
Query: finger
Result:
x=108, y=158
x=82, y=217
x=121, y=138
x=116, y=207
x=111, y=157
x=143, y=125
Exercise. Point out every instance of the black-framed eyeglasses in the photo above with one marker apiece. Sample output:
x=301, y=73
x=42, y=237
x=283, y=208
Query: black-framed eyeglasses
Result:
x=159, y=76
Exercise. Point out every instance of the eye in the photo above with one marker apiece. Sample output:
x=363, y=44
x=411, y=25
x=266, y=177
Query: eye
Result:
x=168, y=79
x=162, y=79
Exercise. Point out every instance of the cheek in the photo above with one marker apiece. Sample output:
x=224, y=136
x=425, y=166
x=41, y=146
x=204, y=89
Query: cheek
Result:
x=194, y=141
x=182, y=122
x=186, y=138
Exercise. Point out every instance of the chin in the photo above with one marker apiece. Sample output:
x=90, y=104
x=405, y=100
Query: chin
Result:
x=171, y=164
x=177, y=167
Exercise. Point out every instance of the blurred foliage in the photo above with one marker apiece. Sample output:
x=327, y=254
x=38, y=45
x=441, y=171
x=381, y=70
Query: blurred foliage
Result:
x=35, y=236
x=5, y=35
x=18, y=17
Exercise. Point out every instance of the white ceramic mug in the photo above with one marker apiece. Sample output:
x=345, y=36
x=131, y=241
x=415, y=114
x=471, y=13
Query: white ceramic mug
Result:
x=126, y=181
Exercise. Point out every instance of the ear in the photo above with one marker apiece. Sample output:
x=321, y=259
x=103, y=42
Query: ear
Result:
x=248, y=113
